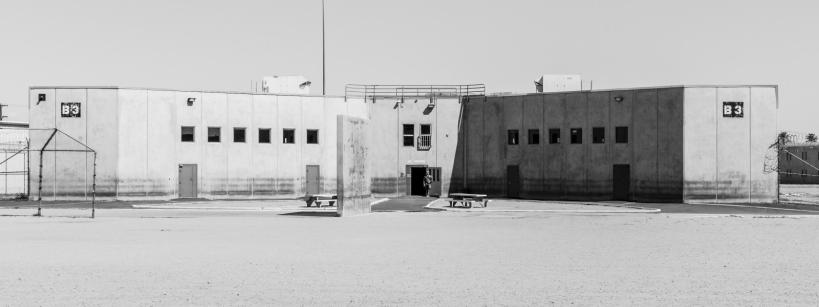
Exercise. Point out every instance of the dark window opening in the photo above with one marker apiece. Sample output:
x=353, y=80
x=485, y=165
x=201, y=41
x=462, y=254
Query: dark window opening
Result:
x=804, y=155
x=426, y=129
x=312, y=136
x=512, y=137
x=534, y=136
x=598, y=135
x=289, y=136
x=621, y=134
x=576, y=135
x=787, y=156
x=187, y=134
x=554, y=136
x=264, y=135
x=409, y=135
x=238, y=135
x=214, y=134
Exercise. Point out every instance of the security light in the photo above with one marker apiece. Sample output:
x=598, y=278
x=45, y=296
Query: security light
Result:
x=305, y=84
x=191, y=100
x=618, y=98
x=41, y=98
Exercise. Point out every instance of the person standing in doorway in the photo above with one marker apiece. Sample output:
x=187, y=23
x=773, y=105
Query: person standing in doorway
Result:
x=427, y=183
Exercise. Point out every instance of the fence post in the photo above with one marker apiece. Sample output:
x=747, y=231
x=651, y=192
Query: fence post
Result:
x=94, y=187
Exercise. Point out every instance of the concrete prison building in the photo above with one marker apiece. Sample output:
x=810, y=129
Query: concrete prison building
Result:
x=165, y=144
x=799, y=164
x=683, y=144
x=680, y=144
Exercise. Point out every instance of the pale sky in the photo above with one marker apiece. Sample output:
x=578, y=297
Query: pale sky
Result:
x=223, y=45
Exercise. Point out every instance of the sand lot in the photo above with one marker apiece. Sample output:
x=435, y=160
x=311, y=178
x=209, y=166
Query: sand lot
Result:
x=176, y=257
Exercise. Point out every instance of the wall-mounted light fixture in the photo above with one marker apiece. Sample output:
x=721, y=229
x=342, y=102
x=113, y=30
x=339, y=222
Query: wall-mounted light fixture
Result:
x=41, y=98
x=618, y=98
x=191, y=100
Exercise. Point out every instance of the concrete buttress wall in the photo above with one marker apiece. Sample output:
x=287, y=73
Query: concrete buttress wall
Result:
x=353, y=166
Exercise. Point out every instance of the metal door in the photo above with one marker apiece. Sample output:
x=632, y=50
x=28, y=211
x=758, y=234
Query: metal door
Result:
x=512, y=181
x=187, y=181
x=435, y=189
x=621, y=181
x=313, y=181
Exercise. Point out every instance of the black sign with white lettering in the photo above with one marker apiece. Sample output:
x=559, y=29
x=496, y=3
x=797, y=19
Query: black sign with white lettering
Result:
x=732, y=109
x=70, y=109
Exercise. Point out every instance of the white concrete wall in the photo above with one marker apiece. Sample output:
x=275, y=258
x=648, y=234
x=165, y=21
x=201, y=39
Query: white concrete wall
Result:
x=137, y=134
x=725, y=157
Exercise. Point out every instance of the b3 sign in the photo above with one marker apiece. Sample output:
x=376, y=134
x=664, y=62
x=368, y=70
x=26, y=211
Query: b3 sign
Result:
x=70, y=109
x=732, y=109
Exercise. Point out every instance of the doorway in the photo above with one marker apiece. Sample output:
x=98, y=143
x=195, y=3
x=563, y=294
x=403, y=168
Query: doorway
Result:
x=187, y=181
x=415, y=179
x=313, y=178
x=621, y=181
x=512, y=181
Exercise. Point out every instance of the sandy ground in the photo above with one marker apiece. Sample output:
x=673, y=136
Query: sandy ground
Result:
x=178, y=257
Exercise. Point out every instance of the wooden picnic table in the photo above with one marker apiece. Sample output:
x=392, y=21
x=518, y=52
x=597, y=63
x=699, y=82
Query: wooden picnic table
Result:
x=330, y=199
x=466, y=199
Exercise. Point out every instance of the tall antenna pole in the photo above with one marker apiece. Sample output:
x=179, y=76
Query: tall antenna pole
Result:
x=323, y=69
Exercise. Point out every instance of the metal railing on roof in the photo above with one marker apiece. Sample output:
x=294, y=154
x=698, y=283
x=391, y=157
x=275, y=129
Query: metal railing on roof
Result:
x=412, y=91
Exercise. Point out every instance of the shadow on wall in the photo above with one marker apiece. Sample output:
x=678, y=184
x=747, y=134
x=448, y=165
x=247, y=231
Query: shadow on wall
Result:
x=457, y=180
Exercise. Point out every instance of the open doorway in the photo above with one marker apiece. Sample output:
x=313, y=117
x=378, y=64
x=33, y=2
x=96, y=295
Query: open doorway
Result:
x=416, y=180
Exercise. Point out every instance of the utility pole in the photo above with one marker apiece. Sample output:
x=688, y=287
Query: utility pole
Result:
x=323, y=61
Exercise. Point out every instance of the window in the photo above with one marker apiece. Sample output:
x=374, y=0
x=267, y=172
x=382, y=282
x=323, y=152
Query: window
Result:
x=312, y=136
x=598, y=135
x=426, y=129
x=787, y=156
x=264, y=136
x=804, y=173
x=238, y=135
x=621, y=134
x=576, y=135
x=554, y=136
x=512, y=137
x=409, y=135
x=214, y=134
x=425, y=139
x=289, y=136
x=804, y=155
x=534, y=136
x=187, y=134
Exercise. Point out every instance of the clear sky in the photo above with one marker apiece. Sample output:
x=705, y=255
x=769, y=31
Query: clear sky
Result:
x=223, y=45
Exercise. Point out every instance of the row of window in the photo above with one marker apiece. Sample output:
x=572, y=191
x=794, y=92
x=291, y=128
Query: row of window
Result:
x=575, y=136
x=804, y=156
x=215, y=135
x=409, y=133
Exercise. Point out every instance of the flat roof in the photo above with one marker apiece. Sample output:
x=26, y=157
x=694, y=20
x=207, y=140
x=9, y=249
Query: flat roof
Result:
x=639, y=88
x=109, y=87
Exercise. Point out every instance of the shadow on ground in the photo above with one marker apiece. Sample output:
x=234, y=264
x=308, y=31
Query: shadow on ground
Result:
x=311, y=213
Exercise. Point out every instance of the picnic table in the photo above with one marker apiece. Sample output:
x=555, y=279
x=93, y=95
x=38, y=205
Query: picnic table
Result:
x=466, y=199
x=330, y=199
